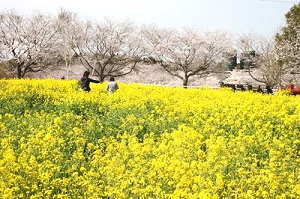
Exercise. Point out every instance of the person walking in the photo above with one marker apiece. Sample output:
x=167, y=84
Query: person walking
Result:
x=112, y=86
x=85, y=81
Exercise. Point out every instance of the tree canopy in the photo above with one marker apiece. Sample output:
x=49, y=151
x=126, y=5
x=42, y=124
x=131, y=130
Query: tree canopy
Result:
x=114, y=48
x=187, y=52
x=292, y=24
x=28, y=43
x=288, y=40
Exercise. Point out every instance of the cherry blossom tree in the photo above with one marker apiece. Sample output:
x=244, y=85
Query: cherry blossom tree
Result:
x=290, y=51
x=288, y=43
x=69, y=33
x=28, y=43
x=186, y=52
x=261, y=54
x=109, y=48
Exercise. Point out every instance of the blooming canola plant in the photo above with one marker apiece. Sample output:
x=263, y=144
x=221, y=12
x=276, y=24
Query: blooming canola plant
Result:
x=146, y=141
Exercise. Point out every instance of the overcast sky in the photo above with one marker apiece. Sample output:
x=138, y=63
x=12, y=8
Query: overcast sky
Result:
x=264, y=17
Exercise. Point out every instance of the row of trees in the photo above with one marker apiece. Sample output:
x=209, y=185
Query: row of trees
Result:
x=114, y=48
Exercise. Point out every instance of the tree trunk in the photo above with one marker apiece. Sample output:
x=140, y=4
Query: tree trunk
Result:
x=185, y=82
x=19, y=72
x=101, y=78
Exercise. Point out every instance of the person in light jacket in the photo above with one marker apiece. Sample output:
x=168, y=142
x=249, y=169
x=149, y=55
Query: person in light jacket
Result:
x=112, y=86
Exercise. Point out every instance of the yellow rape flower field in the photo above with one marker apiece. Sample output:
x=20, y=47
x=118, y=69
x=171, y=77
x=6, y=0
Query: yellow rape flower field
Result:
x=146, y=141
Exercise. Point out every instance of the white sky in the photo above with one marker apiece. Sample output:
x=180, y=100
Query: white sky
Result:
x=237, y=16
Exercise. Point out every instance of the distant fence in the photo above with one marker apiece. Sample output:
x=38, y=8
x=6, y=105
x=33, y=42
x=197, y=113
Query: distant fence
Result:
x=243, y=87
x=234, y=87
x=249, y=87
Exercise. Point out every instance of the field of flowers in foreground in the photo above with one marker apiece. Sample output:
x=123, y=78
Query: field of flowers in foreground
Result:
x=146, y=142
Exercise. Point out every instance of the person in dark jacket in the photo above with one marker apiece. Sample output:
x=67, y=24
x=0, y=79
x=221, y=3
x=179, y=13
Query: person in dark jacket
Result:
x=85, y=81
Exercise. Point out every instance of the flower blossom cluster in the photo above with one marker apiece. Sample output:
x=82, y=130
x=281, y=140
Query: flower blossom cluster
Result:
x=146, y=141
